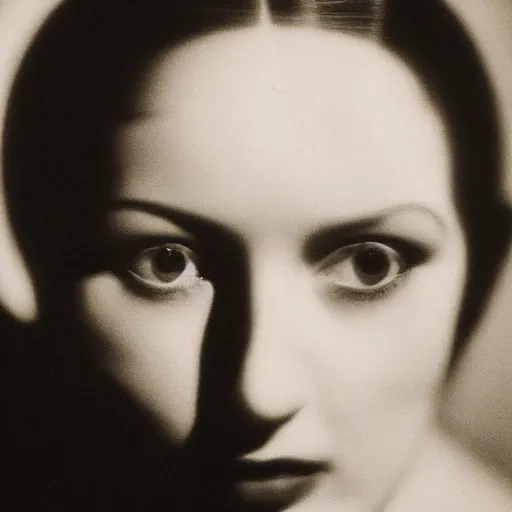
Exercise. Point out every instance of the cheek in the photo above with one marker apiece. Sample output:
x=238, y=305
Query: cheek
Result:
x=152, y=347
x=400, y=343
x=378, y=388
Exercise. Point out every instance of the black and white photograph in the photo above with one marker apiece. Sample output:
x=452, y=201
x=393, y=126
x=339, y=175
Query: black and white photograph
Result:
x=255, y=255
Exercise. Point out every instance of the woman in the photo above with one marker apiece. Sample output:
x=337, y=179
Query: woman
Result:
x=272, y=228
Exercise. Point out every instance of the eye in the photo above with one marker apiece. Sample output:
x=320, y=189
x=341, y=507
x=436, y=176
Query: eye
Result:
x=165, y=268
x=363, y=267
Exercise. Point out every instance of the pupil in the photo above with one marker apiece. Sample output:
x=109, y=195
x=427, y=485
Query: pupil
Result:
x=371, y=265
x=170, y=261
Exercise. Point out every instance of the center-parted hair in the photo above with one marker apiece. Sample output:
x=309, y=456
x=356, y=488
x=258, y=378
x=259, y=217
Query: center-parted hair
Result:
x=84, y=66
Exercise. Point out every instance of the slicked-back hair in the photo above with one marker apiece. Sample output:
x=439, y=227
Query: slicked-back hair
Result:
x=79, y=75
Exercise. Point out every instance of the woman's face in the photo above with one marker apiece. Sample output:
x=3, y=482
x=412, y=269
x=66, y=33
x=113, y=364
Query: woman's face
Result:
x=303, y=178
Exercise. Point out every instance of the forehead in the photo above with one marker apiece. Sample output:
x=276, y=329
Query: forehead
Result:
x=287, y=117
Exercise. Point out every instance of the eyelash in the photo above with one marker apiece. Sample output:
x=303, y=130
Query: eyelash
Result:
x=123, y=255
x=411, y=256
x=186, y=276
x=413, y=252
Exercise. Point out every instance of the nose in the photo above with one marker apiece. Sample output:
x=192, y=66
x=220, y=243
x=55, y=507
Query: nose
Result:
x=272, y=380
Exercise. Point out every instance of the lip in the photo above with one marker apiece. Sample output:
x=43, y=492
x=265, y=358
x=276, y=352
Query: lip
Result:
x=275, y=483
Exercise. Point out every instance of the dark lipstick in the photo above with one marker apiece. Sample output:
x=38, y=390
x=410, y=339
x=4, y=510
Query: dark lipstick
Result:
x=275, y=483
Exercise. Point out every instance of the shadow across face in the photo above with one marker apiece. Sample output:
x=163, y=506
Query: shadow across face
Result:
x=91, y=445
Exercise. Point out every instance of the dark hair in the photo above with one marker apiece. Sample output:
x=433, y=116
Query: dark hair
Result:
x=86, y=61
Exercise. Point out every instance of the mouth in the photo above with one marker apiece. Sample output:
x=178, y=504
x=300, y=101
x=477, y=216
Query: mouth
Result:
x=276, y=483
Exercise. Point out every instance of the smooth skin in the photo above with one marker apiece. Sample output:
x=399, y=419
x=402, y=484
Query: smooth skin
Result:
x=300, y=144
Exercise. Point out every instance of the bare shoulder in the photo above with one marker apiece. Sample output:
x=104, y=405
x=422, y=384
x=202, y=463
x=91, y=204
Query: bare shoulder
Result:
x=446, y=477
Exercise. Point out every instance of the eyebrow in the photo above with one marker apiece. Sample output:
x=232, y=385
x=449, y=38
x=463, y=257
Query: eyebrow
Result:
x=197, y=224
x=190, y=222
x=402, y=222
x=377, y=219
